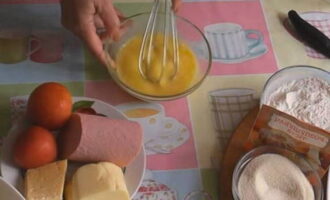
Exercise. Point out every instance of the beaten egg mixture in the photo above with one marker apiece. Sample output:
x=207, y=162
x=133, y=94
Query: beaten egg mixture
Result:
x=156, y=82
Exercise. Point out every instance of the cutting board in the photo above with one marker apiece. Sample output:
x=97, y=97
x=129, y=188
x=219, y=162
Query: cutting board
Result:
x=234, y=152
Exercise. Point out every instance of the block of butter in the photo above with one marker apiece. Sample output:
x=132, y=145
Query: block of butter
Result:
x=101, y=181
x=46, y=182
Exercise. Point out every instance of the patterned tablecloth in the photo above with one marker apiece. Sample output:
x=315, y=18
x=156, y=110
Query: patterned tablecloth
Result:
x=183, y=165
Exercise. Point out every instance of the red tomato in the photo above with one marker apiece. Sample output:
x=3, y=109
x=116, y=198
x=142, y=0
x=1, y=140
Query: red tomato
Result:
x=35, y=147
x=50, y=105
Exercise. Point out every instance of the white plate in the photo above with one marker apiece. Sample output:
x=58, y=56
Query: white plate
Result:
x=14, y=175
x=9, y=192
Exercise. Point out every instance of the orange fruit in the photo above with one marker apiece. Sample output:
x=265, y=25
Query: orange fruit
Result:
x=35, y=147
x=49, y=105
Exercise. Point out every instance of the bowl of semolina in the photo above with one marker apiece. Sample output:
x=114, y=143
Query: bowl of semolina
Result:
x=154, y=79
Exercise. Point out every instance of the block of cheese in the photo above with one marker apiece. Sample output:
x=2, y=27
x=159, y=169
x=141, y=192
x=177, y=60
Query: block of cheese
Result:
x=101, y=181
x=46, y=182
x=91, y=138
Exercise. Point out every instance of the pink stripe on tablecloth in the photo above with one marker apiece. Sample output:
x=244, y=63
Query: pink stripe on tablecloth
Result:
x=182, y=157
x=247, y=14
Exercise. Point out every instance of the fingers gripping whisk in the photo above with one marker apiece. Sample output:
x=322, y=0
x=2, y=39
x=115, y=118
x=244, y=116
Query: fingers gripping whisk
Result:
x=159, y=53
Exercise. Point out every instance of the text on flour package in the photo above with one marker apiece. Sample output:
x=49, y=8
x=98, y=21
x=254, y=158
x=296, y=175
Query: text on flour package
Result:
x=273, y=127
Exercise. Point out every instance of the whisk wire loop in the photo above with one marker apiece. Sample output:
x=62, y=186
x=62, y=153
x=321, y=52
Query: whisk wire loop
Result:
x=170, y=41
x=148, y=37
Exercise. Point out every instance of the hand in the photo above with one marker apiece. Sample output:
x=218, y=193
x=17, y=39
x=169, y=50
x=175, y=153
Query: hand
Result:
x=85, y=17
x=176, y=5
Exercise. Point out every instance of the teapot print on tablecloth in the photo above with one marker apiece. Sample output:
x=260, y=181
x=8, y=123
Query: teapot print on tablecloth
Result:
x=153, y=190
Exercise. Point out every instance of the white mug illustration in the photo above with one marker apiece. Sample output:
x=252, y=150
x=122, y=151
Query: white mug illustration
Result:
x=161, y=134
x=229, y=106
x=230, y=43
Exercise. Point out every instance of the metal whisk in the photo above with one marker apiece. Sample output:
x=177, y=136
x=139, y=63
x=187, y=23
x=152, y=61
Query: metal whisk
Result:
x=169, y=31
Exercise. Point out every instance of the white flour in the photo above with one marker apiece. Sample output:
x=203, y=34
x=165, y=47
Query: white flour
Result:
x=307, y=99
x=273, y=177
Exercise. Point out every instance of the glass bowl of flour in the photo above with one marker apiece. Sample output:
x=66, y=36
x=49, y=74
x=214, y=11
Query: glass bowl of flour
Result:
x=301, y=91
x=273, y=173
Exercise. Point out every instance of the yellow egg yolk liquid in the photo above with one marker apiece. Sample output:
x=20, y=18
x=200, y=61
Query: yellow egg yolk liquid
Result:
x=156, y=82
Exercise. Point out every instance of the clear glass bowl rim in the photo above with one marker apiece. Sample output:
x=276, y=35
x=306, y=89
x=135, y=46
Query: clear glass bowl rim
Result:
x=166, y=97
x=248, y=156
x=283, y=70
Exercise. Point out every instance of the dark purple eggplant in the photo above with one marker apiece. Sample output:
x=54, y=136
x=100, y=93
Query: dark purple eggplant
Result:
x=309, y=34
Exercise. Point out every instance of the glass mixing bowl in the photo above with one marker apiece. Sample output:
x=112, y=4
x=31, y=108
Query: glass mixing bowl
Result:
x=188, y=33
x=311, y=174
x=288, y=74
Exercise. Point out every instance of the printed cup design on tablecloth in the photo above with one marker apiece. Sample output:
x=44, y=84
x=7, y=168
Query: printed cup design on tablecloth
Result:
x=51, y=46
x=161, y=134
x=152, y=189
x=230, y=43
x=198, y=195
x=16, y=46
x=229, y=107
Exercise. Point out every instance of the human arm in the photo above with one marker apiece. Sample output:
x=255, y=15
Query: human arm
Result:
x=85, y=17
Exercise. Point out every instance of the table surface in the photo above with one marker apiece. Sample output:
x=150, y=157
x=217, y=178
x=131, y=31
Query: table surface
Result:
x=190, y=167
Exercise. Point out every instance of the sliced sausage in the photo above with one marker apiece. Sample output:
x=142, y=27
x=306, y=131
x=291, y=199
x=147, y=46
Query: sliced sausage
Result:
x=91, y=138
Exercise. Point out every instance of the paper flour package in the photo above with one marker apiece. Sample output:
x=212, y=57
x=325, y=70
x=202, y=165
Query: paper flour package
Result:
x=273, y=127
